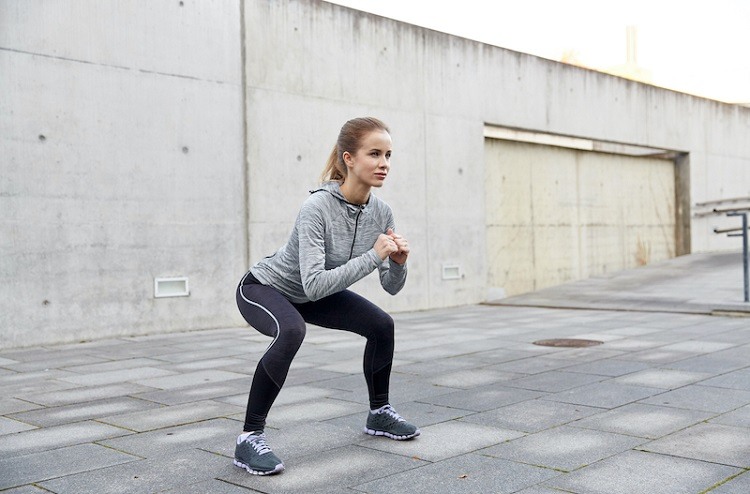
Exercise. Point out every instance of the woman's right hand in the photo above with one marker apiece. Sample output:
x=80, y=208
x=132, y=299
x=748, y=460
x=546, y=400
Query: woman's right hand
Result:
x=385, y=246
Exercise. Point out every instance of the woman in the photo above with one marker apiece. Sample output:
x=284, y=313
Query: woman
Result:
x=342, y=233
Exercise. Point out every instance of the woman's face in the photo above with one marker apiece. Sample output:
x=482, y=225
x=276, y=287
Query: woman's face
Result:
x=372, y=161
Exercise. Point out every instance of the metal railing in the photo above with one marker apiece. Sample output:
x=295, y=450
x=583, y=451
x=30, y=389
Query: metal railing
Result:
x=738, y=232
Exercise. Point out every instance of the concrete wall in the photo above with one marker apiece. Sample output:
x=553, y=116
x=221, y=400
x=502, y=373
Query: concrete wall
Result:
x=151, y=166
x=121, y=154
x=314, y=64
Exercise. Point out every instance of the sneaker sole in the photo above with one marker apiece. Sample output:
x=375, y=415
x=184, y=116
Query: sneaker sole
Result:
x=278, y=469
x=374, y=432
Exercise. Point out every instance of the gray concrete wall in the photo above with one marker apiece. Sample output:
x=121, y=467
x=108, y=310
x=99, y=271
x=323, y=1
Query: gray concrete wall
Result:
x=121, y=155
x=151, y=166
x=313, y=65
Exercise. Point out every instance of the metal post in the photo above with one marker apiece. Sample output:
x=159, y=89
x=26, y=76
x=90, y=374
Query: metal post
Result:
x=744, y=251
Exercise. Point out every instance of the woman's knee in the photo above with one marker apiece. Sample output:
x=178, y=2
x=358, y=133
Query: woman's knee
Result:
x=382, y=326
x=293, y=334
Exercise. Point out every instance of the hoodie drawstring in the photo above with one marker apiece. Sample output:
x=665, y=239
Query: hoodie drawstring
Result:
x=356, y=225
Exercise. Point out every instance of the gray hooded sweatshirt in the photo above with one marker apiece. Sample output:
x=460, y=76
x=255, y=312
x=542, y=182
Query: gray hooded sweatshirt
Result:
x=330, y=248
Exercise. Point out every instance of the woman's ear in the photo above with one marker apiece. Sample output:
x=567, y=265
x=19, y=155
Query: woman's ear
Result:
x=347, y=156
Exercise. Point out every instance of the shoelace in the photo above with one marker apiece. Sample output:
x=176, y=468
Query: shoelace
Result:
x=259, y=444
x=390, y=411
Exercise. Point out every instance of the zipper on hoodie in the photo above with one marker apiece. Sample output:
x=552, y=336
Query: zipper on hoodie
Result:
x=356, y=225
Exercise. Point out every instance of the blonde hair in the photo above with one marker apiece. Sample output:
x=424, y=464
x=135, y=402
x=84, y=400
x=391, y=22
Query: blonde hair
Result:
x=350, y=140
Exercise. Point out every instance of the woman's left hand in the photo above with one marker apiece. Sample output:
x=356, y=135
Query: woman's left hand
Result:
x=402, y=253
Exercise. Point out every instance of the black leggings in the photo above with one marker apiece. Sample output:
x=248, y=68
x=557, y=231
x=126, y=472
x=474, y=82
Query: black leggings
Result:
x=268, y=311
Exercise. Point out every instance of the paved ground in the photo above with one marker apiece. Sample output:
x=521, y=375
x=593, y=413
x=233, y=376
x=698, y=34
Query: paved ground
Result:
x=662, y=406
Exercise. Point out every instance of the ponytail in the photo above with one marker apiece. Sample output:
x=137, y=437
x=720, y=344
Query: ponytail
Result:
x=350, y=139
x=335, y=169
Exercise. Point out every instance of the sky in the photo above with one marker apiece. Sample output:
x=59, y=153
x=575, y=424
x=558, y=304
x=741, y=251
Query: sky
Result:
x=700, y=47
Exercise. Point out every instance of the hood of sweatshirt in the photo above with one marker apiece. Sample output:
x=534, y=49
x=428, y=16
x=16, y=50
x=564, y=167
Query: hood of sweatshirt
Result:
x=350, y=209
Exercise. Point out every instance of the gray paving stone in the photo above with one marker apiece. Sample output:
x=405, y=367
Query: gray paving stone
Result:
x=57, y=362
x=648, y=421
x=483, y=398
x=607, y=394
x=158, y=418
x=440, y=441
x=586, y=354
x=541, y=490
x=535, y=365
x=708, y=442
x=84, y=411
x=632, y=330
x=297, y=413
x=116, y=376
x=228, y=364
x=705, y=398
x=49, y=464
x=113, y=365
x=448, y=351
x=18, y=384
x=636, y=344
x=471, y=378
x=554, y=381
x=10, y=426
x=27, y=442
x=659, y=356
x=737, y=418
x=13, y=405
x=215, y=435
x=531, y=415
x=739, y=379
x=564, y=448
x=29, y=354
x=436, y=367
x=663, y=378
x=84, y=394
x=402, y=390
x=636, y=472
x=189, y=379
x=145, y=476
x=26, y=489
x=736, y=485
x=212, y=486
x=199, y=392
x=698, y=346
x=714, y=363
x=311, y=375
x=608, y=367
x=349, y=466
x=468, y=474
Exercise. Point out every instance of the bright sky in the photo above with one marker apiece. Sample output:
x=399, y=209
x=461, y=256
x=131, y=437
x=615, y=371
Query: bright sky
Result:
x=700, y=47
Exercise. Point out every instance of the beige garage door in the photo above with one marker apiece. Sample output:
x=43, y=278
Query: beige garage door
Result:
x=557, y=214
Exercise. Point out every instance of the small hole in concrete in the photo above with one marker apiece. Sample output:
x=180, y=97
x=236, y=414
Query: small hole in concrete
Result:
x=42, y=137
x=185, y=149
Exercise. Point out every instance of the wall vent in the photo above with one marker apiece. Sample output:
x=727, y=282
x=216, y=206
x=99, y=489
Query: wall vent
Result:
x=451, y=272
x=171, y=287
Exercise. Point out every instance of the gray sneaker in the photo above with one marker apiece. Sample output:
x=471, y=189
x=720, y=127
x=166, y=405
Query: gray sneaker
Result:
x=386, y=422
x=254, y=455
